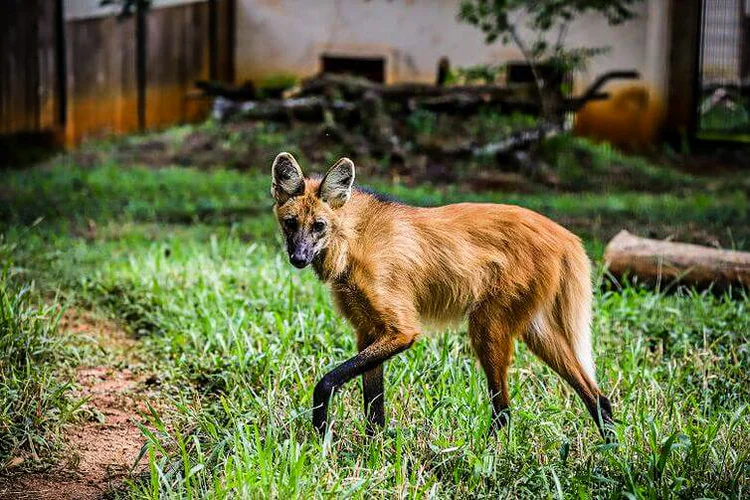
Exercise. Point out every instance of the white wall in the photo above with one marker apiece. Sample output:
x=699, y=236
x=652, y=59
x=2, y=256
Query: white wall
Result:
x=656, y=60
x=288, y=36
x=86, y=9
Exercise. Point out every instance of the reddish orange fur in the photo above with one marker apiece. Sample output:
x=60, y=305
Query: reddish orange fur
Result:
x=512, y=272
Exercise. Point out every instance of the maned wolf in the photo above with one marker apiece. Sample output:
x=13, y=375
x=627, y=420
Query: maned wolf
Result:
x=393, y=267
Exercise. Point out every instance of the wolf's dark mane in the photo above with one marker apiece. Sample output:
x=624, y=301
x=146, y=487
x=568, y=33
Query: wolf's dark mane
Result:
x=381, y=197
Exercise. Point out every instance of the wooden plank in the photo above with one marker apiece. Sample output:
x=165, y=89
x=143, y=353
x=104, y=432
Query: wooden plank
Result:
x=221, y=40
x=101, y=77
x=226, y=40
x=100, y=89
x=178, y=55
x=745, y=49
x=48, y=97
x=30, y=69
x=28, y=80
x=6, y=53
x=19, y=79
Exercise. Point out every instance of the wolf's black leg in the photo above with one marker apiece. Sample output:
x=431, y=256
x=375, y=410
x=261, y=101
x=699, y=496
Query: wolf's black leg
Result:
x=374, y=399
x=370, y=358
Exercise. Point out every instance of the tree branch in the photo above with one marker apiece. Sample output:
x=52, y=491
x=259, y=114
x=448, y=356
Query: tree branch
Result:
x=534, y=69
x=561, y=36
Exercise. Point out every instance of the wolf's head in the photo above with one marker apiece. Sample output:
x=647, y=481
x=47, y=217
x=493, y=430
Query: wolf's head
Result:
x=308, y=208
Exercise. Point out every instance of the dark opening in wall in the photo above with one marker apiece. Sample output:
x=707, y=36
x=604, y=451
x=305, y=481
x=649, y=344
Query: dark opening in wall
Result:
x=520, y=72
x=372, y=68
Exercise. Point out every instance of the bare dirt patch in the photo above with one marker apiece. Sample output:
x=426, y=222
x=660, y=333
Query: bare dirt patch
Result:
x=100, y=451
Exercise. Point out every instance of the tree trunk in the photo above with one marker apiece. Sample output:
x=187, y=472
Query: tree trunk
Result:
x=663, y=261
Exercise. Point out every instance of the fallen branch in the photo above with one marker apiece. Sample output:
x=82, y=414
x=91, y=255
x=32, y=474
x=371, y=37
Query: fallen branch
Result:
x=461, y=104
x=304, y=108
x=406, y=91
x=663, y=261
x=517, y=140
x=354, y=88
x=335, y=86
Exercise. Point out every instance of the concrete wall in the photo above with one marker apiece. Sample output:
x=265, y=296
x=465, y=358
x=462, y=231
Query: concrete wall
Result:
x=87, y=9
x=289, y=36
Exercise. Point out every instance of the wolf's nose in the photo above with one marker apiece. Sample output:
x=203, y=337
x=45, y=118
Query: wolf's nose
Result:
x=298, y=261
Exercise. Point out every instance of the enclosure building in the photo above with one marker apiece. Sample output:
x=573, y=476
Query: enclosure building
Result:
x=74, y=69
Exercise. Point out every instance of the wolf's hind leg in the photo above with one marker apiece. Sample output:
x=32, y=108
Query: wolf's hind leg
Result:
x=553, y=346
x=492, y=341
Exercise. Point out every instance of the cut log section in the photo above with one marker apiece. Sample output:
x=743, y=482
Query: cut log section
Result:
x=666, y=262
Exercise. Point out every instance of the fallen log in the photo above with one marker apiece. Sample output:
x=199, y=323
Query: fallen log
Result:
x=303, y=108
x=335, y=86
x=514, y=141
x=406, y=91
x=354, y=88
x=655, y=261
x=460, y=104
x=517, y=140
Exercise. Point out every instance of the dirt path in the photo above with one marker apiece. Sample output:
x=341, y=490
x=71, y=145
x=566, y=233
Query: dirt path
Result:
x=101, y=451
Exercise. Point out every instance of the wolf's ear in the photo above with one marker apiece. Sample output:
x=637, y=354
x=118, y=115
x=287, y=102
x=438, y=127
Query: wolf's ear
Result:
x=336, y=187
x=287, y=178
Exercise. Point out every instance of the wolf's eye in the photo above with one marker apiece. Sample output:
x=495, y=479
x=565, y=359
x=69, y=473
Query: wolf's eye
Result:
x=290, y=223
x=318, y=226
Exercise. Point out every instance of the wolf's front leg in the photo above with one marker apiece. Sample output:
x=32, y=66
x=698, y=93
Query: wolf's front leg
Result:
x=370, y=358
x=374, y=399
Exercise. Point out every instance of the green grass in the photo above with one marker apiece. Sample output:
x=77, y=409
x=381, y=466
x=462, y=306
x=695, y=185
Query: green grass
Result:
x=36, y=401
x=483, y=127
x=190, y=263
x=582, y=165
x=719, y=136
x=730, y=119
x=251, y=337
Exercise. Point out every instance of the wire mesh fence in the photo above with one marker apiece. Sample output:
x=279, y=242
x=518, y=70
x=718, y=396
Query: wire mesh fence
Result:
x=724, y=70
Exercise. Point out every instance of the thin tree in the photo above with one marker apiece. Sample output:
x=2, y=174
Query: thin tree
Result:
x=548, y=23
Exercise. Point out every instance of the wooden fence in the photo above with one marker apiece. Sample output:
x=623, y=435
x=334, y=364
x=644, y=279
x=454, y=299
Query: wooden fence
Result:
x=30, y=83
x=88, y=76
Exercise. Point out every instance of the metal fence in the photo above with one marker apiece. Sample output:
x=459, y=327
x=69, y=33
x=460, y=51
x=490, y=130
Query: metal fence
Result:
x=723, y=106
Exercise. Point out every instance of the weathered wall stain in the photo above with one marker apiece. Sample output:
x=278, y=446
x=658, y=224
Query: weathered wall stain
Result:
x=631, y=119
